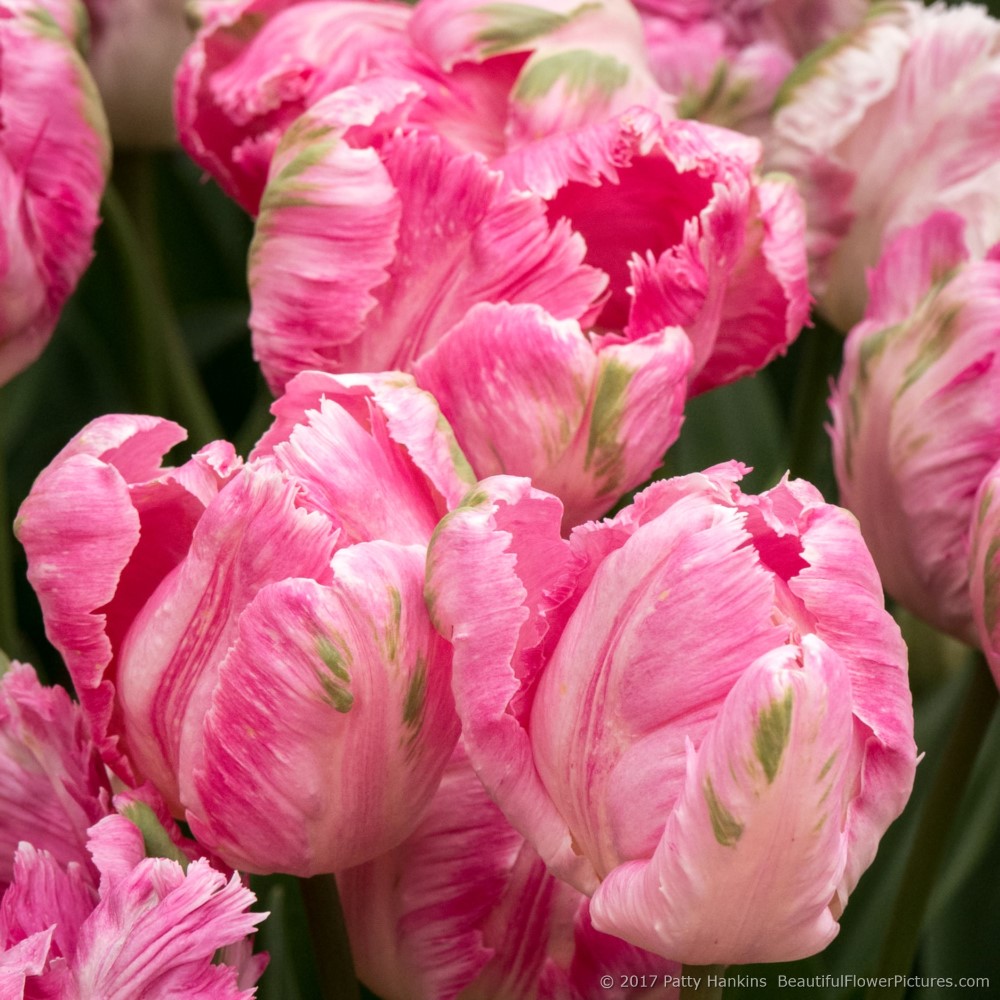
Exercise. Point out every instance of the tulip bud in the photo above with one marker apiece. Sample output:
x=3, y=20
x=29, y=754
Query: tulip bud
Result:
x=916, y=416
x=697, y=711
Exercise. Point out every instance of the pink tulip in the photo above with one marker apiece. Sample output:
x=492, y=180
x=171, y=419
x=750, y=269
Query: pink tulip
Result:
x=897, y=120
x=218, y=590
x=84, y=912
x=464, y=907
x=697, y=710
x=54, y=155
x=489, y=76
x=916, y=415
x=984, y=581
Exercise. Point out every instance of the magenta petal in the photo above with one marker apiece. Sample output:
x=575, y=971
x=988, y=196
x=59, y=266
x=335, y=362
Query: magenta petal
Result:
x=771, y=776
x=367, y=724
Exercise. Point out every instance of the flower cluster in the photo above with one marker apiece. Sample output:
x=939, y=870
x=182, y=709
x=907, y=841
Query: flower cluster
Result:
x=460, y=634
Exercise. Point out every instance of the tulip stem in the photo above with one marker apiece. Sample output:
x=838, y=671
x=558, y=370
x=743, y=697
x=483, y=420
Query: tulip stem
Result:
x=167, y=373
x=328, y=932
x=821, y=350
x=939, y=810
x=701, y=982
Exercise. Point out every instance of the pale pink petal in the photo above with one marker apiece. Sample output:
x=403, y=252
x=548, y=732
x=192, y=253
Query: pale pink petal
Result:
x=401, y=419
x=106, y=503
x=52, y=783
x=344, y=770
x=155, y=933
x=905, y=115
x=497, y=573
x=327, y=233
x=252, y=534
x=417, y=915
x=754, y=848
x=609, y=722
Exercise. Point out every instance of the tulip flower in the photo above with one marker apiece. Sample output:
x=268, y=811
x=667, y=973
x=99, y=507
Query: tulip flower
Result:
x=84, y=912
x=218, y=590
x=54, y=156
x=489, y=75
x=464, y=907
x=894, y=121
x=916, y=418
x=696, y=711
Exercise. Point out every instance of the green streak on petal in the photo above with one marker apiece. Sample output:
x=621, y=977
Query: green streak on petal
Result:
x=943, y=322
x=603, y=448
x=984, y=506
x=336, y=660
x=474, y=498
x=514, y=24
x=725, y=826
x=826, y=767
x=773, y=727
x=392, y=629
x=155, y=839
x=416, y=694
x=581, y=71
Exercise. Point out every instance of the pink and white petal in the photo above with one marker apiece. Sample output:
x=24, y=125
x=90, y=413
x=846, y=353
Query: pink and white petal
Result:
x=156, y=932
x=515, y=383
x=417, y=915
x=984, y=569
x=343, y=772
x=767, y=298
x=326, y=235
x=52, y=782
x=256, y=65
x=608, y=721
x=46, y=894
x=498, y=577
x=495, y=246
x=24, y=959
x=251, y=535
x=840, y=586
x=530, y=395
x=768, y=784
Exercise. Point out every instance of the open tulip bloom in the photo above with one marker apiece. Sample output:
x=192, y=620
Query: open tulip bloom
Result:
x=696, y=711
